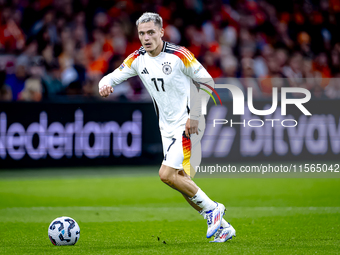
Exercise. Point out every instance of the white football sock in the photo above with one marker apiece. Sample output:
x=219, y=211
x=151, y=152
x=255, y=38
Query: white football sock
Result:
x=203, y=201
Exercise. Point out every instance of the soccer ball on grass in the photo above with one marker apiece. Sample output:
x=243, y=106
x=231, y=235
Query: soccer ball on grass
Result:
x=63, y=231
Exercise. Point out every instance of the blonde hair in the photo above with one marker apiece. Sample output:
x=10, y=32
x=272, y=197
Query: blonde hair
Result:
x=150, y=16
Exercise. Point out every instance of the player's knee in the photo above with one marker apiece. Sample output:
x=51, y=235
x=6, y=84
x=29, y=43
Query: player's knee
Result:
x=165, y=176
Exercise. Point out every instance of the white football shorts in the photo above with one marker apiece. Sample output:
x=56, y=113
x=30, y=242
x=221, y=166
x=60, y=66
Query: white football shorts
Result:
x=183, y=153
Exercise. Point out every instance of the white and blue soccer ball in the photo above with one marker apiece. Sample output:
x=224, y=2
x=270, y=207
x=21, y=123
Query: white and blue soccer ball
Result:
x=63, y=231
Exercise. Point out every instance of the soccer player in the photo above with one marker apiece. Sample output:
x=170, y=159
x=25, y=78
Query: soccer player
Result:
x=167, y=71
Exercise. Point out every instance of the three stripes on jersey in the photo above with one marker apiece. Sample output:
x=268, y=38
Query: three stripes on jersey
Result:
x=145, y=71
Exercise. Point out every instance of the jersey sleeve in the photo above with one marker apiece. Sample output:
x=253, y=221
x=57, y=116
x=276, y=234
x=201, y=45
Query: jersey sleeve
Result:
x=202, y=82
x=191, y=66
x=122, y=73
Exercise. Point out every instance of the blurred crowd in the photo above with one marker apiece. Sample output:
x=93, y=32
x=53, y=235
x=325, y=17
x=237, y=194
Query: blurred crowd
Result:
x=61, y=48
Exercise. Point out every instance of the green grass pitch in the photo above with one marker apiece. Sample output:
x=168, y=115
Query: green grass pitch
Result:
x=129, y=211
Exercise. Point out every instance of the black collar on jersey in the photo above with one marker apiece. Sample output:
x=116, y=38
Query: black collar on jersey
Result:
x=164, y=46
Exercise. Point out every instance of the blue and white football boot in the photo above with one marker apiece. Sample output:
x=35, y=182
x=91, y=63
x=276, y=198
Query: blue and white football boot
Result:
x=214, y=219
x=224, y=233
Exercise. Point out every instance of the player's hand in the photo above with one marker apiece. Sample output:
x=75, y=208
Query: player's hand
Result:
x=105, y=90
x=191, y=127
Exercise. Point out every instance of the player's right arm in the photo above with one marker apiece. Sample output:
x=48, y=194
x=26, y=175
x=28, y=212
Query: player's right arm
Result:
x=191, y=67
x=122, y=73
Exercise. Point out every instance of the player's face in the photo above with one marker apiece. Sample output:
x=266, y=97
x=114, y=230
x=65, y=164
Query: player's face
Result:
x=150, y=35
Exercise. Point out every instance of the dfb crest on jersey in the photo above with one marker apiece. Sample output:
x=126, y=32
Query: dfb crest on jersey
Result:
x=166, y=68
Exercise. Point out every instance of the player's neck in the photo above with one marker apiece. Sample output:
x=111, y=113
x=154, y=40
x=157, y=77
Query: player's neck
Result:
x=156, y=51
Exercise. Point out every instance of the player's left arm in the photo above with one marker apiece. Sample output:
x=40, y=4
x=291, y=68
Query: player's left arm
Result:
x=194, y=69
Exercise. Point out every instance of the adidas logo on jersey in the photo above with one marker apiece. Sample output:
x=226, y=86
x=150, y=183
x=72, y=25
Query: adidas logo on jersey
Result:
x=145, y=71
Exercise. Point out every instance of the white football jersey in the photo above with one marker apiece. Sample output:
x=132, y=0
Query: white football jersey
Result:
x=168, y=78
